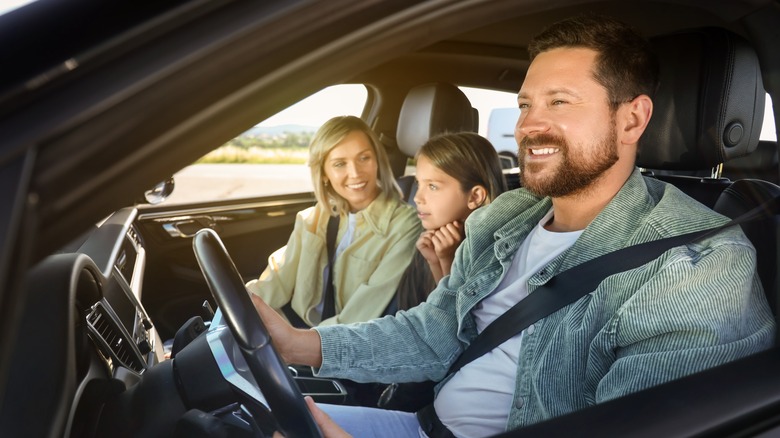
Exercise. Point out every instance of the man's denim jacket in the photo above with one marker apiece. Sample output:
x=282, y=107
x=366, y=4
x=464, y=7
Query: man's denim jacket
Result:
x=694, y=307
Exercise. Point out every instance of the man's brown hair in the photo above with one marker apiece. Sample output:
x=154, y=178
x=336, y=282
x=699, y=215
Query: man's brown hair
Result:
x=625, y=65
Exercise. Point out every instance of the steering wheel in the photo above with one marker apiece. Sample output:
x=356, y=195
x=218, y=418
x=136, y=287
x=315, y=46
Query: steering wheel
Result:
x=269, y=370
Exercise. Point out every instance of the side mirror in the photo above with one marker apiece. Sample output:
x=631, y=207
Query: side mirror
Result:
x=159, y=192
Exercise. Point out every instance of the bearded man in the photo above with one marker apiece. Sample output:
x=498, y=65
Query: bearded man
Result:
x=585, y=103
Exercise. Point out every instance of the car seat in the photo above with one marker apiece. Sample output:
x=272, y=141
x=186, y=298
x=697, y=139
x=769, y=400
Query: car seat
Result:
x=709, y=110
x=428, y=110
x=762, y=164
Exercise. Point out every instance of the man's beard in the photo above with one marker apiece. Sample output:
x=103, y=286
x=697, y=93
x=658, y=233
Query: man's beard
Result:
x=571, y=175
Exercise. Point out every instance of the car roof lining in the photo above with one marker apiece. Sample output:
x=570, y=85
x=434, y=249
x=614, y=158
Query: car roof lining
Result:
x=393, y=53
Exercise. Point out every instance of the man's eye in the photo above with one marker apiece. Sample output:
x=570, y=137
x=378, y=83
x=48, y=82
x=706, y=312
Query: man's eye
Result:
x=433, y=187
x=558, y=102
x=523, y=106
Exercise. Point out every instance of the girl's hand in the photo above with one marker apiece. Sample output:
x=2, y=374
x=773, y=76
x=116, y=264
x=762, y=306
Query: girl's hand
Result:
x=446, y=241
x=428, y=250
x=426, y=246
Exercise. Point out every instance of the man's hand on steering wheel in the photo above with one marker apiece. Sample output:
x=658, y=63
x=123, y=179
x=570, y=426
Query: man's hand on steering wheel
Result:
x=298, y=346
x=252, y=338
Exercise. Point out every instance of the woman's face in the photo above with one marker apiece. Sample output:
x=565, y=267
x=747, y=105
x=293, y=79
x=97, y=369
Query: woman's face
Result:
x=351, y=168
x=440, y=198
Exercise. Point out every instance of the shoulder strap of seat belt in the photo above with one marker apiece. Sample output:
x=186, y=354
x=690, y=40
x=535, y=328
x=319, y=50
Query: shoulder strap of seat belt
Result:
x=329, y=305
x=329, y=301
x=574, y=283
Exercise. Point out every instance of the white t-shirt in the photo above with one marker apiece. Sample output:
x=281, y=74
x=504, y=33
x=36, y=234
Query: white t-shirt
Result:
x=475, y=402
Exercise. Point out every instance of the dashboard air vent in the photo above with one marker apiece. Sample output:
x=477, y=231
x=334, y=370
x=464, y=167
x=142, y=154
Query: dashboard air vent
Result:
x=112, y=340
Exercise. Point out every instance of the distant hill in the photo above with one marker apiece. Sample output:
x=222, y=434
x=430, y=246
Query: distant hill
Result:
x=280, y=129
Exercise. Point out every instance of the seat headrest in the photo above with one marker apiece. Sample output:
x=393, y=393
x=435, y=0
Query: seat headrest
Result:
x=709, y=106
x=765, y=157
x=429, y=110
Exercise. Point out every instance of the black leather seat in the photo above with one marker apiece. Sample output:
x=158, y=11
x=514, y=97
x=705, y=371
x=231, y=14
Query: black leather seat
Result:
x=742, y=196
x=709, y=110
x=762, y=164
x=756, y=177
x=428, y=110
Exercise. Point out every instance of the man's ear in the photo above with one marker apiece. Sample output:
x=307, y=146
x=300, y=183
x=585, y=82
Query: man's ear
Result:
x=633, y=118
x=477, y=197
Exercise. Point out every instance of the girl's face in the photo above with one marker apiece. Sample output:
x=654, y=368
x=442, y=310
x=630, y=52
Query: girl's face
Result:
x=351, y=168
x=440, y=199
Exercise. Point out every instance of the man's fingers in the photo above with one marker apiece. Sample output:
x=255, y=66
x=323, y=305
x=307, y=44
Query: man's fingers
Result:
x=328, y=427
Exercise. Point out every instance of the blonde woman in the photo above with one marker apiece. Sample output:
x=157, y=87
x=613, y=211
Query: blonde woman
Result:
x=375, y=241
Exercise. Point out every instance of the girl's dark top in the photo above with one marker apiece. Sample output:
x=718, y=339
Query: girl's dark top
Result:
x=416, y=283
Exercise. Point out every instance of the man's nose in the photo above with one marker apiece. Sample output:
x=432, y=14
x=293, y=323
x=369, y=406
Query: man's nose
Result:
x=531, y=121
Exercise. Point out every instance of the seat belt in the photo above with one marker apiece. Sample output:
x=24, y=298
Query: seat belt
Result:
x=329, y=300
x=329, y=306
x=574, y=283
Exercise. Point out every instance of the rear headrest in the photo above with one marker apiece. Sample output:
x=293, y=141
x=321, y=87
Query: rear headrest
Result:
x=709, y=106
x=432, y=109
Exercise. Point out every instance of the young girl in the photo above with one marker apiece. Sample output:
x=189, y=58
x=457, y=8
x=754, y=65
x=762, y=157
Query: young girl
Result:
x=375, y=239
x=456, y=174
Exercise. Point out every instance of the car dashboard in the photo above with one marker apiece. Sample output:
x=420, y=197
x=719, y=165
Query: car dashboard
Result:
x=104, y=342
x=117, y=322
x=103, y=370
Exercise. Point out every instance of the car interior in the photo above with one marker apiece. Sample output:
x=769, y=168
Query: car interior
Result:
x=123, y=318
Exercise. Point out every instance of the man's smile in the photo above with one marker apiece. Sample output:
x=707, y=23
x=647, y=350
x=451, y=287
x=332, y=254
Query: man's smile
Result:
x=538, y=152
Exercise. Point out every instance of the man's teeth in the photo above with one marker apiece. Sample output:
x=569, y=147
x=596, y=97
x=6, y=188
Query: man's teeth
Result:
x=544, y=151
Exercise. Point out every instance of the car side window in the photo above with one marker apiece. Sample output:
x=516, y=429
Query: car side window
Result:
x=768, y=130
x=489, y=103
x=270, y=158
x=498, y=113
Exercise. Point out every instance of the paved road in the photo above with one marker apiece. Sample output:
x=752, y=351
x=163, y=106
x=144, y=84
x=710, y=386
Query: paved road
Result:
x=201, y=182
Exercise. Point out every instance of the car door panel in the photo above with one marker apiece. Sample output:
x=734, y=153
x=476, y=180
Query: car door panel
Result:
x=251, y=229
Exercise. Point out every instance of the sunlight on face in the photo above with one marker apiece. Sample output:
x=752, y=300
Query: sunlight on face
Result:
x=440, y=198
x=351, y=168
x=566, y=131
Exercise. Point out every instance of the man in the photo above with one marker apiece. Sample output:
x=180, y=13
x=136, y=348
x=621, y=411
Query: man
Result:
x=585, y=103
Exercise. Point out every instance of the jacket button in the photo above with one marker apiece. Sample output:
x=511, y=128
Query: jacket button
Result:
x=530, y=330
x=519, y=402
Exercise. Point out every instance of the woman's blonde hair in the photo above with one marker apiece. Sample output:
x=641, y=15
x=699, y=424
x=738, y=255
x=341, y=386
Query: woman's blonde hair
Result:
x=330, y=135
x=469, y=158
